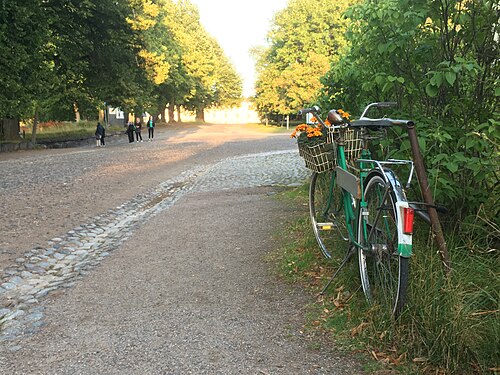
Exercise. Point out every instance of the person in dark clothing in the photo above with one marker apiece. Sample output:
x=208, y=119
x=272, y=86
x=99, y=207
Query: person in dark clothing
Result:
x=138, y=127
x=151, y=128
x=100, y=133
x=130, y=131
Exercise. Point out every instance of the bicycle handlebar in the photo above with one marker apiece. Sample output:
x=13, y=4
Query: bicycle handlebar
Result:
x=366, y=121
x=378, y=105
x=304, y=111
x=386, y=104
x=379, y=123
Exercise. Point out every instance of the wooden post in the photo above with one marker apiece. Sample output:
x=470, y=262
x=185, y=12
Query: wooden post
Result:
x=35, y=126
x=427, y=195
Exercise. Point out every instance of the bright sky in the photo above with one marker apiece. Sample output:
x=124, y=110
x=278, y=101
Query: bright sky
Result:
x=238, y=26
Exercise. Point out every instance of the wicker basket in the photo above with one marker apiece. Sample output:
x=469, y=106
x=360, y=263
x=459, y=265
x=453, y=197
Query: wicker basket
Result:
x=319, y=158
x=352, y=142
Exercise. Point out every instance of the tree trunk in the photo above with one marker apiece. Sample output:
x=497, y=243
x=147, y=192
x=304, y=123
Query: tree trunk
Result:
x=35, y=125
x=200, y=114
x=106, y=116
x=9, y=129
x=171, y=113
x=179, y=114
x=77, y=112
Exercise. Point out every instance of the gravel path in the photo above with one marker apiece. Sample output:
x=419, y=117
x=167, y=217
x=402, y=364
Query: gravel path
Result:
x=167, y=273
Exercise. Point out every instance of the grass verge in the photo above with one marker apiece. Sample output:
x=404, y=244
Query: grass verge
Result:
x=68, y=131
x=450, y=326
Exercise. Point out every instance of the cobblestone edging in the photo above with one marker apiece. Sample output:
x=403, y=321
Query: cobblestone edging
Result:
x=67, y=258
x=26, y=145
x=15, y=146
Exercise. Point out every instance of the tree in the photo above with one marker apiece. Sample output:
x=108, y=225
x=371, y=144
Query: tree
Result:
x=439, y=61
x=23, y=69
x=305, y=39
x=212, y=79
x=94, y=54
x=64, y=59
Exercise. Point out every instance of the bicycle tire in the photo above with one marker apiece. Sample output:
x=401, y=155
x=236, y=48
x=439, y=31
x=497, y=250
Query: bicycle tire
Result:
x=383, y=272
x=328, y=220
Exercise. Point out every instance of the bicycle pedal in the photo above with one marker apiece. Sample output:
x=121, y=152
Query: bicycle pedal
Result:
x=325, y=226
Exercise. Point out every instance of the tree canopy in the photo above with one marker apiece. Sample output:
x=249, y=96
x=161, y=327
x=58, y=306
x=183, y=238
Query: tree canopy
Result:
x=306, y=37
x=437, y=59
x=73, y=56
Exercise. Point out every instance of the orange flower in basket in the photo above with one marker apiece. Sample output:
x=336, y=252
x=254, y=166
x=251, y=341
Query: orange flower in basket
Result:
x=309, y=135
x=313, y=132
x=300, y=128
x=344, y=114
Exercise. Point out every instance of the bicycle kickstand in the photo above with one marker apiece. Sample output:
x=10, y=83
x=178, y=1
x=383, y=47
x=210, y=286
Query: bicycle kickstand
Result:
x=350, y=253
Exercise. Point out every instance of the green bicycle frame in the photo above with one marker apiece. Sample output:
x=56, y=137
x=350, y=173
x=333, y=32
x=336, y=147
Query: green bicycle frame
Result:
x=350, y=215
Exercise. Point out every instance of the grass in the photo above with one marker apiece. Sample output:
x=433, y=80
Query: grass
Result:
x=66, y=131
x=450, y=326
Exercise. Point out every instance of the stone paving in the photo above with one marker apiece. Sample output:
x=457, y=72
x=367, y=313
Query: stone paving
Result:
x=67, y=258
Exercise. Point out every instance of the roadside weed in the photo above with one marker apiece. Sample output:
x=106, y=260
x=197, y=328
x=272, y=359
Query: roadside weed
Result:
x=450, y=325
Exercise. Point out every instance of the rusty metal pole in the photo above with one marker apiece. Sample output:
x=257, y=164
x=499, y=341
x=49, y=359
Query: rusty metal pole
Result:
x=427, y=195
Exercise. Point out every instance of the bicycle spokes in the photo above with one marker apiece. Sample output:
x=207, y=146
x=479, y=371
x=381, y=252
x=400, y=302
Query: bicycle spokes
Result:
x=379, y=262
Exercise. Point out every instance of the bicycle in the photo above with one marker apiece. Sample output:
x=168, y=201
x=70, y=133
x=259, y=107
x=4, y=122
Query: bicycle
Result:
x=360, y=201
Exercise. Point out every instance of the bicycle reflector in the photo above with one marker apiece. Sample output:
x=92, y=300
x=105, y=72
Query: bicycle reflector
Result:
x=408, y=216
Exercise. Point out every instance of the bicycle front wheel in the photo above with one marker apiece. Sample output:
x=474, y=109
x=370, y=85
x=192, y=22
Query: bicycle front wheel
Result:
x=383, y=272
x=326, y=210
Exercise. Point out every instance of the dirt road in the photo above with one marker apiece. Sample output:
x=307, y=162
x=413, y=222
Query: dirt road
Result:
x=149, y=258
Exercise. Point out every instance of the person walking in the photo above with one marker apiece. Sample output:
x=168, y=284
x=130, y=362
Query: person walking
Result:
x=151, y=128
x=138, y=128
x=100, y=133
x=130, y=131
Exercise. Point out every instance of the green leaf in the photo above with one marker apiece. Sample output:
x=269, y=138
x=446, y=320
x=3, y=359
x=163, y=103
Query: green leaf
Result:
x=450, y=77
x=422, y=144
x=459, y=156
x=437, y=79
x=405, y=145
x=379, y=79
x=382, y=47
x=447, y=136
x=497, y=91
x=388, y=86
x=431, y=90
x=452, y=167
x=440, y=157
x=470, y=142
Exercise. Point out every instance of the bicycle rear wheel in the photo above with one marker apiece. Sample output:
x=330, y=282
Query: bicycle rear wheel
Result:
x=326, y=210
x=383, y=272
